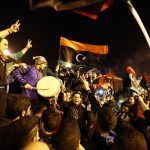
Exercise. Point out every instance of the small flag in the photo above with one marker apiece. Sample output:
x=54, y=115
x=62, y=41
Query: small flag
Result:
x=73, y=52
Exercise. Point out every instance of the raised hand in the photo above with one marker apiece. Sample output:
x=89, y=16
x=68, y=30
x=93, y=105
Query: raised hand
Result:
x=85, y=82
x=15, y=27
x=29, y=45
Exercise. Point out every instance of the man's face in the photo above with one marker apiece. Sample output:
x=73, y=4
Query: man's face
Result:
x=68, y=94
x=86, y=75
x=124, y=109
x=64, y=97
x=42, y=66
x=94, y=75
x=76, y=99
x=131, y=100
x=3, y=45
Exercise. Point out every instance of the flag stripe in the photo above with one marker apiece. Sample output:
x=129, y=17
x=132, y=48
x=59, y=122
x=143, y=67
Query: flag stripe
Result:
x=97, y=49
x=93, y=10
x=90, y=15
x=70, y=55
x=106, y=5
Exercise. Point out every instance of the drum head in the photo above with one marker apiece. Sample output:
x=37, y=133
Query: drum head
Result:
x=48, y=86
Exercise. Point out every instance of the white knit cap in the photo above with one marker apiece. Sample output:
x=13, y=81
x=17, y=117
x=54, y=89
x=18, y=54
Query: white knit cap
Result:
x=39, y=60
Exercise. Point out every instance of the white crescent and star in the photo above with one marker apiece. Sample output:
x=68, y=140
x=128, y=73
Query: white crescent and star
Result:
x=77, y=57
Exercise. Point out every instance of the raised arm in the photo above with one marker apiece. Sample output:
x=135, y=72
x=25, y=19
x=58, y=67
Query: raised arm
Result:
x=18, y=55
x=94, y=103
x=145, y=108
x=12, y=29
x=142, y=104
x=28, y=46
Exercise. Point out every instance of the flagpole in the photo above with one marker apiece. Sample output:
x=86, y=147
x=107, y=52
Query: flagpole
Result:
x=139, y=21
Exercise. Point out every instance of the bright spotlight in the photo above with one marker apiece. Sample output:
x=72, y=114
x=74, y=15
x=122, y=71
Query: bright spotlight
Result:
x=6, y=52
x=101, y=92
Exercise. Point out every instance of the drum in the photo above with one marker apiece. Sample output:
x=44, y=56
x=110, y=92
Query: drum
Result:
x=48, y=86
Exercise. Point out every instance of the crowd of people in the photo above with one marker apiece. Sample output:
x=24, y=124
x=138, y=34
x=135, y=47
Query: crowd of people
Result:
x=89, y=110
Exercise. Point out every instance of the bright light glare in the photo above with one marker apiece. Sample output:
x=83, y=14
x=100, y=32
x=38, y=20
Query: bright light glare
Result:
x=6, y=52
x=68, y=65
x=101, y=92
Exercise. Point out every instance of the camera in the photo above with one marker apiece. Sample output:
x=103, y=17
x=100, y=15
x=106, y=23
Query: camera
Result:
x=104, y=94
x=101, y=92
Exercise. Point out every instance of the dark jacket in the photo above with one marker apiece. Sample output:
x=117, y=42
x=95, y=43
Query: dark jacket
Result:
x=2, y=73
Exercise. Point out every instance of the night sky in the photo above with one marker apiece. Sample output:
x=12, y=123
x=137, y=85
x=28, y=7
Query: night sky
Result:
x=115, y=27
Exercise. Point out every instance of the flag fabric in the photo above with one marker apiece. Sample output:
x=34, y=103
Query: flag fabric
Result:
x=62, y=5
x=77, y=53
x=88, y=8
x=94, y=10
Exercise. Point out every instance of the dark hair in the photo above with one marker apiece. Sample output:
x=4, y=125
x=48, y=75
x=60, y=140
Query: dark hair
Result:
x=19, y=133
x=125, y=104
x=128, y=137
x=50, y=119
x=77, y=92
x=24, y=125
x=141, y=125
x=68, y=91
x=69, y=135
x=16, y=103
x=106, y=119
x=110, y=104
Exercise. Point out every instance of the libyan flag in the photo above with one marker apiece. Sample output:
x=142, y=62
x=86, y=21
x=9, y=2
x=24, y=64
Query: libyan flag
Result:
x=77, y=53
x=88, y=8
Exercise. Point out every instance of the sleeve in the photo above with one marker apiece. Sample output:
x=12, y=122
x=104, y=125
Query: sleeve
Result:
x=147, y=115
x=94, y=103
x=16, y=56
x=19, y=73
x=90, y=117
x=48, y=72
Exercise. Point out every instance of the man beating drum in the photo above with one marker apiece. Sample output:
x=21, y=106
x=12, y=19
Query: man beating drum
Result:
x=28, y=78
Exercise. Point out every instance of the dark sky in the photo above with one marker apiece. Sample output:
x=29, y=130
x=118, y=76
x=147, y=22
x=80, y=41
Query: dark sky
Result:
x=116, y=27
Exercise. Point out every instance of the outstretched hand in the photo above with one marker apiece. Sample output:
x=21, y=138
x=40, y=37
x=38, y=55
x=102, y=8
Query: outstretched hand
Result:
x=15, y=27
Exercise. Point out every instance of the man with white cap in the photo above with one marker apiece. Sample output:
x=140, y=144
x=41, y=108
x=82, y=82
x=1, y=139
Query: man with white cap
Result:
x=29, y=76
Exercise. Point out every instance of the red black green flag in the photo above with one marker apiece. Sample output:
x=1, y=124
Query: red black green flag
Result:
x=77, y=53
